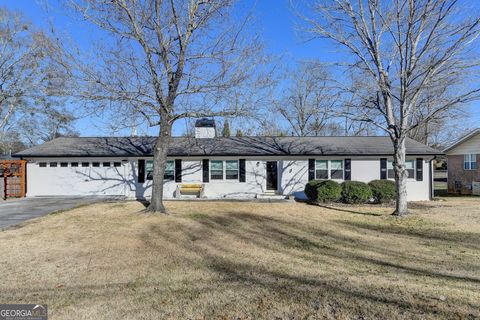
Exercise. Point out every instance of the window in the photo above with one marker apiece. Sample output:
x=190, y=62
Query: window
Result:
x=329, y=169
x=336, y=169
x=53, y=164
x=95, y=164
x=169, y=170
x=106, y=164
x=117, y=164
x=74, y=164
x=231, y=169
x=409, y=165
x=470, y=162
x=149, y=169
x=63, y=164
x=216, y=170
x=321, y=169
x=85, y=164
x=42, y=164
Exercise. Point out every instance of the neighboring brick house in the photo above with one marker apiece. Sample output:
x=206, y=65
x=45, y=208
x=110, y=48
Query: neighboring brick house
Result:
x=463, y=164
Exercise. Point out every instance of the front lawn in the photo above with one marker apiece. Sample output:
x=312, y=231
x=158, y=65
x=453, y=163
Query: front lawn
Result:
x=245, y=260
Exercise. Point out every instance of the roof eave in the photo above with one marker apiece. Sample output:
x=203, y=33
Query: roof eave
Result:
x=462, y=140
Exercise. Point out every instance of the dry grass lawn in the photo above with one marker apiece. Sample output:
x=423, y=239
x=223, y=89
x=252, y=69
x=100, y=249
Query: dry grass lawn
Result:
x=231, y=260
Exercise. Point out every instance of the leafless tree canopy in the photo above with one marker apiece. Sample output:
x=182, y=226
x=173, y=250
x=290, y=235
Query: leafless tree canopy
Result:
x=179, y=58
x=311, y=104
x=32, y=82
x=402, y=50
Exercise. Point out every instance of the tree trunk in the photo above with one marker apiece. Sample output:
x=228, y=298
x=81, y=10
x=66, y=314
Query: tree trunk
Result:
x=159, y=164
x=401, y=176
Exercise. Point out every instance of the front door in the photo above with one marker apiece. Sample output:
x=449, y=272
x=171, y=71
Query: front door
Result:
x=271, y=175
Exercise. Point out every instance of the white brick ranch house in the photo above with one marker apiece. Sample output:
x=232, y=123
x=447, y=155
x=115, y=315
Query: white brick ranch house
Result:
x=234, y=167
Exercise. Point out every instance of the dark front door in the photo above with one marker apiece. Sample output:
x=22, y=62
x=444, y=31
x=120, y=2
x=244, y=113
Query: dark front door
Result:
x=271, y=175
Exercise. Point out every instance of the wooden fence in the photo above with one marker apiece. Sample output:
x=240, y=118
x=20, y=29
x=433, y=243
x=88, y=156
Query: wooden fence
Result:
x=13, y=175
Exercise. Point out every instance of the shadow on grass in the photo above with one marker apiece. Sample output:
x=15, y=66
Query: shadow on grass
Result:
x=464, y=239
x=316, y=247
x=349, y=211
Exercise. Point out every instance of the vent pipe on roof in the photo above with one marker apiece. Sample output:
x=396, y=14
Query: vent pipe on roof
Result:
x=205, y=128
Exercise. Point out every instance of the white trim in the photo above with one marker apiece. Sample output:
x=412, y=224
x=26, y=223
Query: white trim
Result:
x=462, y=140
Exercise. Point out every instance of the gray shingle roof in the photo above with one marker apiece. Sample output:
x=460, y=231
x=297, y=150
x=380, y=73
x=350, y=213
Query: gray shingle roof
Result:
x=233, y=146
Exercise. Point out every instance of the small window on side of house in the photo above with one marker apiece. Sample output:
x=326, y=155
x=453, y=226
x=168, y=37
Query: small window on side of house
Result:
x=42, y=164
x=63, y=164
x=106, y=164
x=470, y=162
x=53, y=164
x=96, y=164
x=73, y=164
x=85, y=164
x=117, y=164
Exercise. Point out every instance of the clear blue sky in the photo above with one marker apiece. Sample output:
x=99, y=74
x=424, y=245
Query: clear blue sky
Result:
x=274, y=18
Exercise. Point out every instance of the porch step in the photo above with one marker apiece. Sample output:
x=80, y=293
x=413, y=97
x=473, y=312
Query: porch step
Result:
x=270, y=195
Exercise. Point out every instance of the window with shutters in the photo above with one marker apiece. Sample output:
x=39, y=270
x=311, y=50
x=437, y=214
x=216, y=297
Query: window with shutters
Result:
x=224, y=170
x=470, y=162
x=409, y=165
x=329, y=169
x=169, y=170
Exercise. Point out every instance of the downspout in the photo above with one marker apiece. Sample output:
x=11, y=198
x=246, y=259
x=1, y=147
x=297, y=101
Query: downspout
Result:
x=431, y=178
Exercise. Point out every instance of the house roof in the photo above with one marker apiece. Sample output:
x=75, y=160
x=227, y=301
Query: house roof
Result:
x=466, y=137
x=220, y=146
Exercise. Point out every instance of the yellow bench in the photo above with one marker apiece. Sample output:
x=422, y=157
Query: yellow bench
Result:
x=190, y=188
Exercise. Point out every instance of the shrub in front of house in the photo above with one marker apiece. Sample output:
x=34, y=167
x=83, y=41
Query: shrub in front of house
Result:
x=355, y=192
x=323, y=190
x=383, y=191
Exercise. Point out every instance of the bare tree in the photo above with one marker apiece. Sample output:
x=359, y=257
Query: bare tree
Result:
x=402, y=48
x=309, y=103
x=32, y=78
x=168, y=60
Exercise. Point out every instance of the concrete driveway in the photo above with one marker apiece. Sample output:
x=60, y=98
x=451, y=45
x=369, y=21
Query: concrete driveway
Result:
x=15, y=211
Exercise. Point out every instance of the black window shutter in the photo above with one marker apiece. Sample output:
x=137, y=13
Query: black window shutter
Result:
x=178, y=170
x=141, y=171
x=206, y=174
x=419, y=169
x=241, y=168
x=348, y=169
x=383, y=168
x=311, y=169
